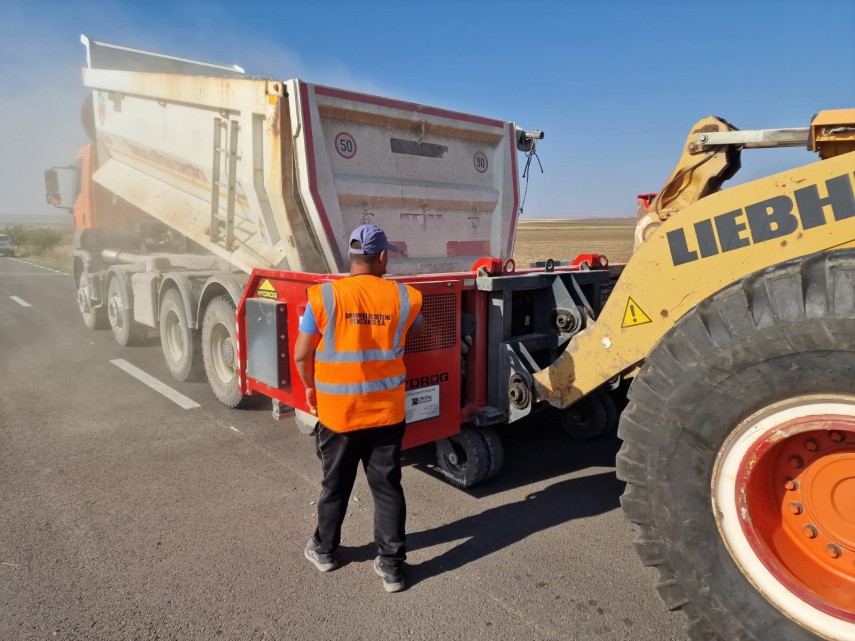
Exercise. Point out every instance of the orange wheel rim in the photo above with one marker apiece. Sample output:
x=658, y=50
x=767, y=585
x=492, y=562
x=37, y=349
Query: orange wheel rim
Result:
x=796, y=489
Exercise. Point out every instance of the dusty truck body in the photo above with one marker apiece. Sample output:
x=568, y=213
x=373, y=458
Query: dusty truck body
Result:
x=209, y=202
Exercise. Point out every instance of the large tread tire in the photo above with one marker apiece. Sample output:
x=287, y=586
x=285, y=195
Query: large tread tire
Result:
x=784, y=332
x=219, y=329
x=181, y=345
x=120, y=312
x=463, y=458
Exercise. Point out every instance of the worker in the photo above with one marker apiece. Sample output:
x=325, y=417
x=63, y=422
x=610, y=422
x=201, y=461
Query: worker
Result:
x=349, y=354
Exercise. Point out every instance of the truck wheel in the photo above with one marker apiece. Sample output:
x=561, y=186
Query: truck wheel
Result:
x=586, y=419
x=219, y=350
x=463, y=458
x=126, y=330
x=180, y=343
x=739, y=457
x=93, y=317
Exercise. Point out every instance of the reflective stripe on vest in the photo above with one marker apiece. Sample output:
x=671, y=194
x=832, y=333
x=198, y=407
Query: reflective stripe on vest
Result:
x=330, y=355
x=360, y=388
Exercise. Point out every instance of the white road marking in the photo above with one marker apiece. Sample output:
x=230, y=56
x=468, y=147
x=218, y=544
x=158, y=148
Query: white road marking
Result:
x=20, y=301
x=233, y=428
x=56, y=271
x=176, y=397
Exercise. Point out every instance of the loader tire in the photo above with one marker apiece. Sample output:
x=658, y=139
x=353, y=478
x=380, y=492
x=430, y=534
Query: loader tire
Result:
x=219, y=351
x=120, y=313
x=739, y=457
x=181, y=345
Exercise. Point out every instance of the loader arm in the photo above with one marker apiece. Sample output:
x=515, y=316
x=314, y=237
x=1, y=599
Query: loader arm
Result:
x=714, y=241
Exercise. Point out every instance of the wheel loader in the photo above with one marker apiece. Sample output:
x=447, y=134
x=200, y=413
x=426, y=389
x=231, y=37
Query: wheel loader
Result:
x=735, y=318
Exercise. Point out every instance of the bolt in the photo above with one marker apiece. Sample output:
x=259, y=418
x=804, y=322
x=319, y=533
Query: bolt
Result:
x=810, y=531
x=692, y=146
x=836, y=437
x=794, y=508
x=703, y=138
x=811, y=445
x=833, y=551
x=796, y=462
x=791, y=484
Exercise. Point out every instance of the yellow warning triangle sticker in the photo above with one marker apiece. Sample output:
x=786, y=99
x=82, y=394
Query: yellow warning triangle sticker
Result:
x=634, y=315
x=266, y=290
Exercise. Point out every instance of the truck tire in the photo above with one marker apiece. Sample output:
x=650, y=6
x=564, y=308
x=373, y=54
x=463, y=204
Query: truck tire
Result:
x=181, y=345
x=126, y=330
x=93, y=317
x=219, y=351
x=739, y=457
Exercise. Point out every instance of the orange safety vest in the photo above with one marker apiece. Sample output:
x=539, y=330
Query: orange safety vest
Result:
x=359, y=363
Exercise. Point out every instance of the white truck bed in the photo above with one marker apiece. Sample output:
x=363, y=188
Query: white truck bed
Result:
x=311, y=163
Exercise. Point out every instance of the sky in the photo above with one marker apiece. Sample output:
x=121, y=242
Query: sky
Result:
x=615, y=85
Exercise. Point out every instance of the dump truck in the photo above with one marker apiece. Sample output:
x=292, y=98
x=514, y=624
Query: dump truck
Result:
x=210, y=201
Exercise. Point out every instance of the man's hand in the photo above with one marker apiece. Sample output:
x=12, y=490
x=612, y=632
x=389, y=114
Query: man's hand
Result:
x=312, y=400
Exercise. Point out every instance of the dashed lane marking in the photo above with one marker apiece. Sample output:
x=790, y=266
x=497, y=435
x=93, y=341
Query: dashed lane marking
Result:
x=162, y=388
x=234, y=429
x=20, y=301
x=24, y=262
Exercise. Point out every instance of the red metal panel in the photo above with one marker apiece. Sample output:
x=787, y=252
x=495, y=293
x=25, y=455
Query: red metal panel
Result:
x=432, y=360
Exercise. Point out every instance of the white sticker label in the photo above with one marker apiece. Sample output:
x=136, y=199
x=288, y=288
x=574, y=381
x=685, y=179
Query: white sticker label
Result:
x=422, y=403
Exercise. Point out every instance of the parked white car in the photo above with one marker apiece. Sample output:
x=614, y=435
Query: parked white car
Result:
x=6, y=246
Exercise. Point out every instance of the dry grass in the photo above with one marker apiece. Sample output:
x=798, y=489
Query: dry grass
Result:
x=58, y=258
x=566, y=238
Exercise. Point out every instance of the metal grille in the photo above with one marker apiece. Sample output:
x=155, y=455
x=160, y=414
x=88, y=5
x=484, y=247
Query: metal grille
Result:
x=439, y=313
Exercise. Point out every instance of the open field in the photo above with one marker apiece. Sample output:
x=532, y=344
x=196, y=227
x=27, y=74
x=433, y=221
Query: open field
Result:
x=565, y=238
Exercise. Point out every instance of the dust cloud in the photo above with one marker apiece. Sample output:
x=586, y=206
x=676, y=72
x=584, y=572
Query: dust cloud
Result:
x=41, y=90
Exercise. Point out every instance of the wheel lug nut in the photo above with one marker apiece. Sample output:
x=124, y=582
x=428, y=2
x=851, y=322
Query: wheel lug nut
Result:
x=795, y=508
x=791, y=484
x=810, y=531
x=836, y=437
x=811, y=445
x=796, y=462
x=833, y=550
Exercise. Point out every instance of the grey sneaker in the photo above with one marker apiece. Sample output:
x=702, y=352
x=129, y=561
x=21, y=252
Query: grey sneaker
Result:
x=324, y=562
x=393, y=579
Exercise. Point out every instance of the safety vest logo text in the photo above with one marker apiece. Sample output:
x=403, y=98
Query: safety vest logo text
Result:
x=775, y=217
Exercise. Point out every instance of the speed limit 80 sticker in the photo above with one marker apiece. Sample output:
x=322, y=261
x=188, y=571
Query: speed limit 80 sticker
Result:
x=480, y=161
x=345, y=145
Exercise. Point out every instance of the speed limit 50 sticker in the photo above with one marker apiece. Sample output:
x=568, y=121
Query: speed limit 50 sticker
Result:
x=345, y=145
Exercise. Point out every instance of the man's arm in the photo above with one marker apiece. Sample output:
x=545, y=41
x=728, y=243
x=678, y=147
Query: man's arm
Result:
x=304, y=361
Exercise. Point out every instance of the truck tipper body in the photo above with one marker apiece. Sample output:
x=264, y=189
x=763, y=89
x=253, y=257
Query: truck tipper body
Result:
x=209, y=201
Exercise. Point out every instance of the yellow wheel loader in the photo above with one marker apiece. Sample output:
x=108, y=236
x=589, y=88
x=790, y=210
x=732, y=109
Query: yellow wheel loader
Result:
x=736, y=318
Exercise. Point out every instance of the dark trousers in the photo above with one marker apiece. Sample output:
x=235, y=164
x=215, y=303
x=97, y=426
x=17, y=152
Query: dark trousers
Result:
x=379, y=450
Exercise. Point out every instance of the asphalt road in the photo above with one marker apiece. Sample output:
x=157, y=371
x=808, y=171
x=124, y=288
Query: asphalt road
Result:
x=125, y=516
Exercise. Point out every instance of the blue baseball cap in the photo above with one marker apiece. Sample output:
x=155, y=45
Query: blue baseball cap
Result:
x=372, y=240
